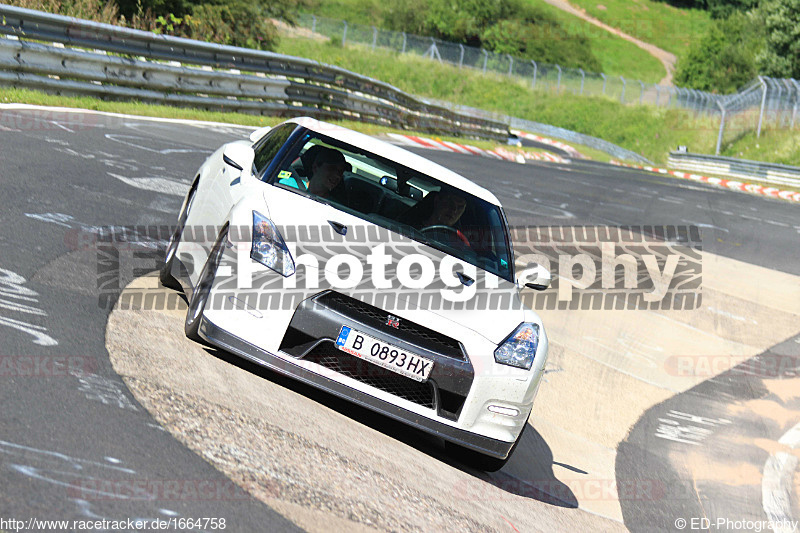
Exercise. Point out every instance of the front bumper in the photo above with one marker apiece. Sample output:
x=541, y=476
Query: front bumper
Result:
x=219, y=337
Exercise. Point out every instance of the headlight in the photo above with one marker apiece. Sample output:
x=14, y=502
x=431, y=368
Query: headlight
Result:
x=268, y=248
x=520, y=348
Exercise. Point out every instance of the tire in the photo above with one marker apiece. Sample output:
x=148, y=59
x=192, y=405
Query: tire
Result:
x=165, y=275
x=478, y=460
x=203, y=288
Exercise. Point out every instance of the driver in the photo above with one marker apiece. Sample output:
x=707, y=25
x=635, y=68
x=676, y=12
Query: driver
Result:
x=448, y=207
x=447, y=210
x=327, y=172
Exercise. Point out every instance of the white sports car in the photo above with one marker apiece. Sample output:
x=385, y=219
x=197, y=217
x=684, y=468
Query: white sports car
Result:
x=369, y=272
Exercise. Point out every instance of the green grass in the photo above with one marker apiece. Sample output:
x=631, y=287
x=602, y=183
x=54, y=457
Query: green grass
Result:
x=617, y=56
x=649, y=131
x=670, y=28
x=776, y=146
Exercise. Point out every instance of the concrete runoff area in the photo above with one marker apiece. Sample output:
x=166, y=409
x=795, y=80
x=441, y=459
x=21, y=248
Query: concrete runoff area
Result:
x=599, y=383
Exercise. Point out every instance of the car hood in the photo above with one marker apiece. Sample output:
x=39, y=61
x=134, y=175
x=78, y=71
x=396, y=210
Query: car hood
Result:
x=493, y=309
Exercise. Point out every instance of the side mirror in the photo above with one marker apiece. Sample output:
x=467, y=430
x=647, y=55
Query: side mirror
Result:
x=539, y=274
x=238, y=156
x=259, y=133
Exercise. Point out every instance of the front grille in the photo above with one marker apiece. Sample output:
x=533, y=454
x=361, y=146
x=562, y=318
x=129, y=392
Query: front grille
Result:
x=327, y=355
x=408, y=331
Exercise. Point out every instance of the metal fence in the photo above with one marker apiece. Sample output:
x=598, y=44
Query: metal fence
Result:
x=763, y=102
x=64, y=54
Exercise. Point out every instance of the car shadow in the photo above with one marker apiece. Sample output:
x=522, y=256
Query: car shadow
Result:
x=529, y=472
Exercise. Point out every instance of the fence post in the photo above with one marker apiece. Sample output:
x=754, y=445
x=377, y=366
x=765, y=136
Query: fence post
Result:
x=604, y=82
x=763, y=102
x=796, y=99
x=344, y=33
x=641, y=92
x=583, y=78
x=404, y=42
x=461, y=59
x=313, y=23
x=721, y=125
x=485, y=59
x=658, y=93
x=558, y=85
x=510, y=65
x=535, y=70
x=622, y=96
x=669, y=100
x=374, y=37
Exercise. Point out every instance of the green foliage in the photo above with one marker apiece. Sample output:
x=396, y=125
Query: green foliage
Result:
x=724, y=59
x=96, y=10
x=131, y=8
x=167, y=24
x=719, y=9
x=236, y=23
x=780, y=56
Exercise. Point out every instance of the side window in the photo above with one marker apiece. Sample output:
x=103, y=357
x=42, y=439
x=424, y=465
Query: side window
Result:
x=267, y=147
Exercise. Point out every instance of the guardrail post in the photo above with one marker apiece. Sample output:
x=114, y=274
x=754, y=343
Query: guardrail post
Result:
x=622, y=96
x=641, y=92
x=510, y=65
x=763, y=103
x=485, y=59
x=313, y=24
x=461, y=59
x=583, y=78
x=344, y=33
x=721, y=125
x=535, y=70
x=374, y=37
x=605, y=79
x=558, y=85
x=404, y=42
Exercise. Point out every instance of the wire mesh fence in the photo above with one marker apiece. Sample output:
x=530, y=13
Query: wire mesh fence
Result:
x=763, y=103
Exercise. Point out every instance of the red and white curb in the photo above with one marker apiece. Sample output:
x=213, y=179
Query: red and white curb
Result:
x=552, y=142
x=498, y=153
x=719, y=182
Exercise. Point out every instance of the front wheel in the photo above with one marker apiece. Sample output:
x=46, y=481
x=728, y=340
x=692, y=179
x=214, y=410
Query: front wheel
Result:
x=203, y=289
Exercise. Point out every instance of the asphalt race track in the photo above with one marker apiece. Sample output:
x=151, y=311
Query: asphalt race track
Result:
x=647, y=417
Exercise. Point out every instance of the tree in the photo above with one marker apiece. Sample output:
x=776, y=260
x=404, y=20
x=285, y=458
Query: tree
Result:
x=724, y=58
x=780, y=56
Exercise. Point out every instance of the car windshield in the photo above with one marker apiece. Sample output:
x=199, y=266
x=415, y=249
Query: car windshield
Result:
x=395, y=197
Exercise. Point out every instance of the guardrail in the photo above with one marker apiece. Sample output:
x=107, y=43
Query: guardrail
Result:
x=87, y=57
x=770, y=173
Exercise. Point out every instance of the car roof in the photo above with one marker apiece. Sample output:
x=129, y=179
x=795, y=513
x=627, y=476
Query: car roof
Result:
x=395, y=153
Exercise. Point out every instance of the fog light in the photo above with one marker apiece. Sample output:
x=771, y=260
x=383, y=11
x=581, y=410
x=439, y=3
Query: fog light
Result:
x=500, y=410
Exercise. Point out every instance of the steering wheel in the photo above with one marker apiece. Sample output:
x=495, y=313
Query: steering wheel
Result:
x=449, y=229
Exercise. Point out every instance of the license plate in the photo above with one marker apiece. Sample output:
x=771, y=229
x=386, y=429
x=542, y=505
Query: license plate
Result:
x=383, y=354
